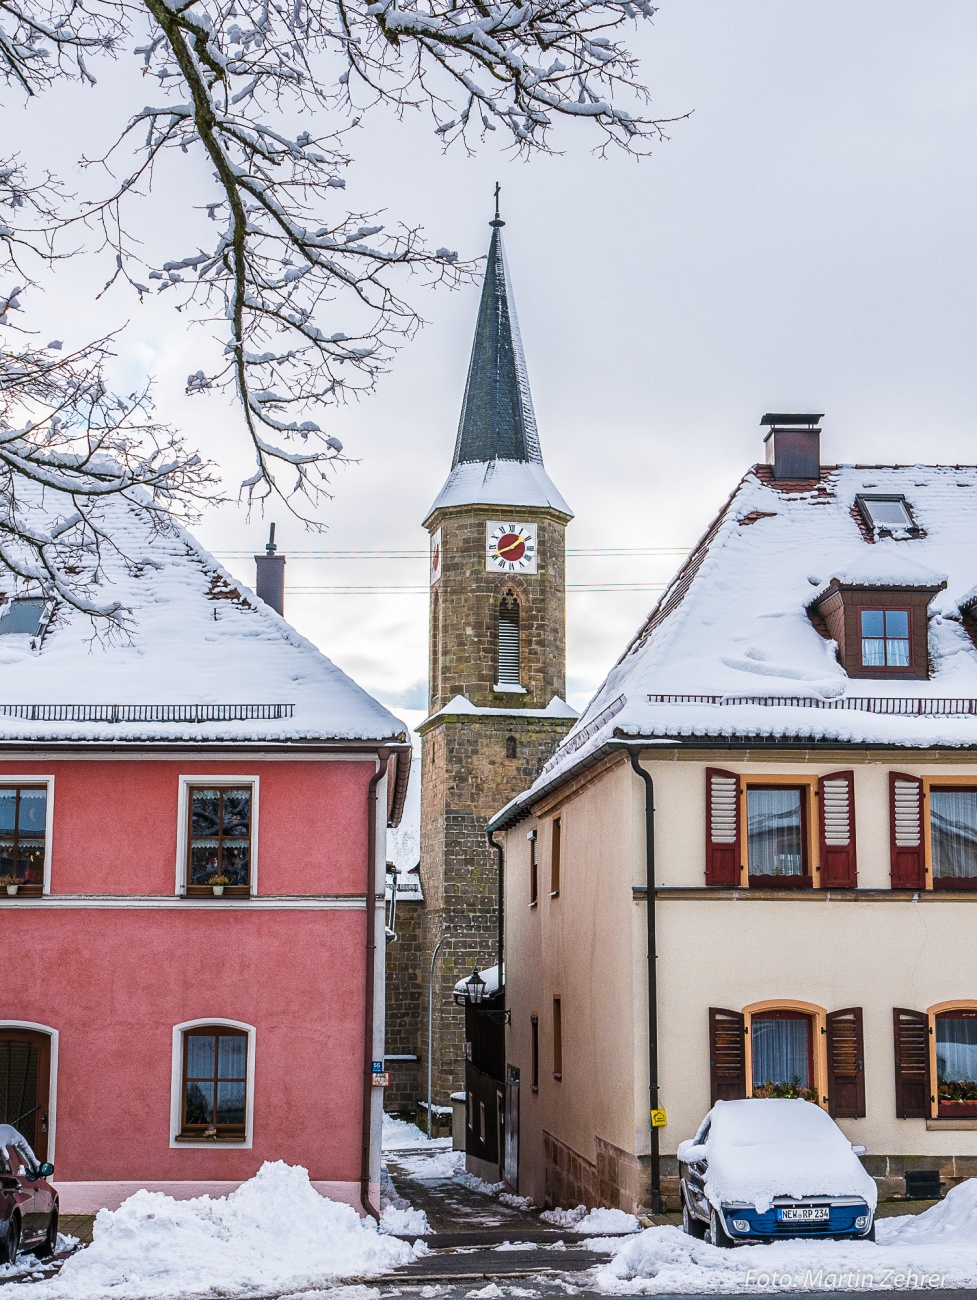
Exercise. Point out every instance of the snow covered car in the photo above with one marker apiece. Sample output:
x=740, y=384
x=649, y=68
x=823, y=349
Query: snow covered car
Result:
x=28, y=1202
x=765, y=1169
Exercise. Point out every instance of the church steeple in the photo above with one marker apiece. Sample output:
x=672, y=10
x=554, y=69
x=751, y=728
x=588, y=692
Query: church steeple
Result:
x=497, y=459
x=497, y=418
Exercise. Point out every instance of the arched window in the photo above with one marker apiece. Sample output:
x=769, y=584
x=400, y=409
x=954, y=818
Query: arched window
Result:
x=510, y=747
x=508, y=667
x=215, y=1063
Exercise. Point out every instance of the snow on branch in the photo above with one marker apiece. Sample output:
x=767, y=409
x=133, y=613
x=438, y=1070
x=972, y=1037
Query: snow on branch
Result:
x=306, y=295
x=67, y=444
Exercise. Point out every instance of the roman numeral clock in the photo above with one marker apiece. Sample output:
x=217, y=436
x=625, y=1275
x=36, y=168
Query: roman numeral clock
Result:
x=510, y=547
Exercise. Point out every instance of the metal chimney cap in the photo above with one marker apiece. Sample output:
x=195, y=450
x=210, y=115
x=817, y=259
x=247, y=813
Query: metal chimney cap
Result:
x=779, y=419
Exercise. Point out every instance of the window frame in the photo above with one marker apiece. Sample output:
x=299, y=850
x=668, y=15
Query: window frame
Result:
x=886, y=670
x=177, y=1080
x=556, y=855
x=810, y=839
x=558, y=1039
x=941, y=782
x=509, y=609
x=932, y=1015
x=864, y=500
x=533, y=838
x=818, y=1017
x=534, y=1052
x=32, y=782
x=187, y=783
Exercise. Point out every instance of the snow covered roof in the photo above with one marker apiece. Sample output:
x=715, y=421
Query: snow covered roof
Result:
x=198, y=642
x=404, y=840
x=500, y=483
x=730, y=651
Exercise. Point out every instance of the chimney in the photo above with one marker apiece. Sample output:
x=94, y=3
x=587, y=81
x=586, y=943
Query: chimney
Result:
x=793, y=445
x=270, y=585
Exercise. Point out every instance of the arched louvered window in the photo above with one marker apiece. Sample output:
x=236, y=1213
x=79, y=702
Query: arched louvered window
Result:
x=508, y=642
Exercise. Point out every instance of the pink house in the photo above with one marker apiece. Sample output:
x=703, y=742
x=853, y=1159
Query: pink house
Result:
x=192, y=862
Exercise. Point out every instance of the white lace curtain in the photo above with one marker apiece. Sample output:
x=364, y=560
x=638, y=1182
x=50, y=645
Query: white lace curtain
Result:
x=780, y=1051
x=953, y=820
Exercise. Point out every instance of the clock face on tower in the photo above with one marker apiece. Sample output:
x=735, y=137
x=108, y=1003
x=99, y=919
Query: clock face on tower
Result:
x=510, y=547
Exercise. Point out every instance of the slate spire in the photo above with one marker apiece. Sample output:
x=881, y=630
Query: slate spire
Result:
x=497, y=418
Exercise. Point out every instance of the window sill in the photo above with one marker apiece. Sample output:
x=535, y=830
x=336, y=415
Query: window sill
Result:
x=198, y=1139
x=554, y=893
x=504, y=688
x=558, y=1077
x=943, y=1125
x=229, y=892
x=534, y=1087
x=534, y=903
x=24, y=891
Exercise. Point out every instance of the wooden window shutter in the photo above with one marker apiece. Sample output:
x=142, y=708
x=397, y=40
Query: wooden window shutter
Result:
x=912, y=1056
x=837, y=830
x=722, y=827
x=906, y=831
x=846, y=1064
x=727, y=1055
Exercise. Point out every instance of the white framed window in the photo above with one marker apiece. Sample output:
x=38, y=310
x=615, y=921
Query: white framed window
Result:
x=212, y=1083
x=217, y=835
x=26, y=833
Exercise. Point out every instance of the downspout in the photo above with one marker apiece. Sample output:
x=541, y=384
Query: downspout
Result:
x=656, y=1180
x=383, y=757
x=500, y=857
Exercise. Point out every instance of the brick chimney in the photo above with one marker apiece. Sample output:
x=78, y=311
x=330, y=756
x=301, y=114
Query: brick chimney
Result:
x=270, y=584
x=793, y=445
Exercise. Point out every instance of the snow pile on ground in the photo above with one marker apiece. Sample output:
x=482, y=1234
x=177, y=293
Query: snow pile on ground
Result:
x=763, y=1148
x=403, y=1221
x=515, y=1202
x=477, y=1184
x=438, y=1165
x=598, y=1222
x=273, y=1231
x=400, y=1135
x=936, y=1249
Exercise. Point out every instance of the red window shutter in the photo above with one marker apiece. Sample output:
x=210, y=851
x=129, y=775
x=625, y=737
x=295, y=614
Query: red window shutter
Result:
x=722, y=827
x=906, y=831
x=836, y=805
x=912, y=1055
x=727, y=1055
x=846, y=1064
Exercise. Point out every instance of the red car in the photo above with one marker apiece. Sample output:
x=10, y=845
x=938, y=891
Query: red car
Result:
x=28, y=1202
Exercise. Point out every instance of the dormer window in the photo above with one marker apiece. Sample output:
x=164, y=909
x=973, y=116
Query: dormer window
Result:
x=886, y=641
x=880, y=632
x=22, y=616
x=888, y=515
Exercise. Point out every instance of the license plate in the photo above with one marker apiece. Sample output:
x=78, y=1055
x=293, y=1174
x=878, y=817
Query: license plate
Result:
x=805, y=1214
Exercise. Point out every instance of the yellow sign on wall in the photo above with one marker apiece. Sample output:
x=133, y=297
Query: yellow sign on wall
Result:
x=658, y=1119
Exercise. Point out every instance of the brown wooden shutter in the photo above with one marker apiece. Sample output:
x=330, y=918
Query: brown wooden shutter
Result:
x=846, y=1064
x=906, y=831
x=912, y=1056
x=727, y=1055
x=836, y=800
x=722, y=827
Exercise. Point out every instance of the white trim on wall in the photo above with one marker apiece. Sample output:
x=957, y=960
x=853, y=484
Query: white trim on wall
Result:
x=176, y=1085
x=52, y=1103
x=268, y=903
x=29, y=778
x=227, y=781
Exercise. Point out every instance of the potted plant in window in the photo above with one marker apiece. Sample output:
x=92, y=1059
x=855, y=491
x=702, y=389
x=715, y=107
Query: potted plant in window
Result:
x=218, y=882
x=11, y=882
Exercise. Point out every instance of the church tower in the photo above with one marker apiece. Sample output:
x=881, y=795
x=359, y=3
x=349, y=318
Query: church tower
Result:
x=497, y=655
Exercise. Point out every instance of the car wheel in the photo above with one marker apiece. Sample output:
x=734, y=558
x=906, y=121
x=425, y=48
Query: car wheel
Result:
x=717, y=1233
x=50, y=1243
x=10, y=1242
x=870, y=1235
x=691, y=1226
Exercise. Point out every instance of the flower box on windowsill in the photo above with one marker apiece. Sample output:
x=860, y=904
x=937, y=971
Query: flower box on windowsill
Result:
x=210, y=891
x=237, y=1138
x=21, y=888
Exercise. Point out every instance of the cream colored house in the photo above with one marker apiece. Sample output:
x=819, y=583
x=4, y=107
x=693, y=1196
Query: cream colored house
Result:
x=787, y=755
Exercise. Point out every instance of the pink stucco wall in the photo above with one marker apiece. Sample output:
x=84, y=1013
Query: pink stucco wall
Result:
x=115, y=980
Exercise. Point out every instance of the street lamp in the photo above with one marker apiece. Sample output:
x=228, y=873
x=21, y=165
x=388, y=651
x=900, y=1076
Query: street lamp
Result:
x=475, y=988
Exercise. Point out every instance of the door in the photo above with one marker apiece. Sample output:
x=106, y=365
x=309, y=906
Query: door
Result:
x=511, y=1158
x=25, y=1084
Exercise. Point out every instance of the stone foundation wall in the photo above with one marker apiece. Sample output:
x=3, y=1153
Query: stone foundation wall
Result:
x=616, y=1179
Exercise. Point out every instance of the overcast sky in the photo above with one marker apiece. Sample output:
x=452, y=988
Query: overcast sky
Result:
x=805, y=240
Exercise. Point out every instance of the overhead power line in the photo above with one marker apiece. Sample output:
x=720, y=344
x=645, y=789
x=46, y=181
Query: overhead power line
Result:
x=376, y=589
x=423, y=555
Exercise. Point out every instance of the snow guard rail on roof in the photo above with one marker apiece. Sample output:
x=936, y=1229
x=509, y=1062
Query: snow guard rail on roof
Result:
x=918, y=706
x=146, y=712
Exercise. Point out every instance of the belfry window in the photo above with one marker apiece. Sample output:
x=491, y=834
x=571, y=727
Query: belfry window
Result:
x=508, y=646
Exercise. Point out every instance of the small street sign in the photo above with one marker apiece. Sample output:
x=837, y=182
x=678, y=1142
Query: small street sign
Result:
x=377, y=1067
x=658, y=1119
x=381, y=1079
